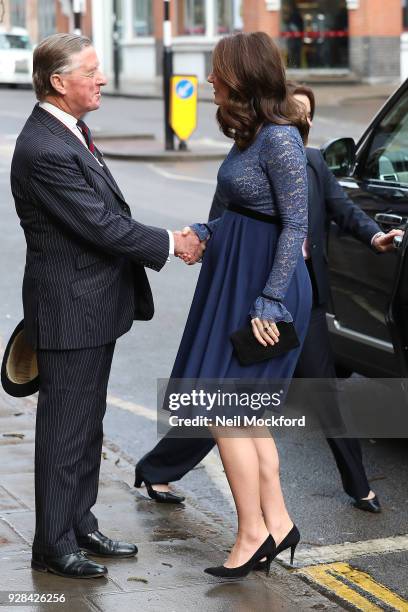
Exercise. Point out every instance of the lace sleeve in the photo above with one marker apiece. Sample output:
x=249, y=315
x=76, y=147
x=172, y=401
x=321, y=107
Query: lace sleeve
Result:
x=283, y=159
x=204, y=230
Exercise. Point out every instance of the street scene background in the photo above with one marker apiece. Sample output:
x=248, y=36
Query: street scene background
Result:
x=172, y=195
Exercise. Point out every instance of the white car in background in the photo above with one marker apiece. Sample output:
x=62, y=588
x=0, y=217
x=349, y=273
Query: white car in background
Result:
x=16, y=57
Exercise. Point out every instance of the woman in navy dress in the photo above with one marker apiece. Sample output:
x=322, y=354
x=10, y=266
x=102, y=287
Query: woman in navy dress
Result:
x=252, y=270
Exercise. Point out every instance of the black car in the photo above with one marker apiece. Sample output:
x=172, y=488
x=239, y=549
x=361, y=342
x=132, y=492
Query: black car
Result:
x=368, y=313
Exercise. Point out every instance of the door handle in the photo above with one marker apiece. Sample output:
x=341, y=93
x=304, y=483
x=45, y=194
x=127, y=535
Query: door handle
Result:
x=389, y=219
x=397, y=242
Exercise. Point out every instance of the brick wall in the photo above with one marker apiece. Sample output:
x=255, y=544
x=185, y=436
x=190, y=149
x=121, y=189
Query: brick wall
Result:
x=375, y=29
x=376, y=18
x=256, y=17
x=64, y=23
x=374, y=57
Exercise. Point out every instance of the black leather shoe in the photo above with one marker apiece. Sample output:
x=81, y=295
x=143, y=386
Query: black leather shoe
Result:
x=73, y=565
x=96, y=543
x=369, y=505
x=161, y=497
x=267, y=549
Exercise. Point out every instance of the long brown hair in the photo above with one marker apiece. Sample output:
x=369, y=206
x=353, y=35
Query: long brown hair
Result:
x=251, y=67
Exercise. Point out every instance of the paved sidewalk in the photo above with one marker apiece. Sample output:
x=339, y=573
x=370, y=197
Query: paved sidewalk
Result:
x=175, y=544
x=329, y=93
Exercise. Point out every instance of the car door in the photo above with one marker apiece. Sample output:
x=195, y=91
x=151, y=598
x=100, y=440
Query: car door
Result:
x=362, y=281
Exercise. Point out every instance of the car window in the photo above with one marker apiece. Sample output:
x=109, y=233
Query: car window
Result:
x=387, y=159
x=14, y=41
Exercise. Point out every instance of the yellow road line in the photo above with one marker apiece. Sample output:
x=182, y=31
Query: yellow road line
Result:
x=355, y=587
x=366, y=582
x=320, y=575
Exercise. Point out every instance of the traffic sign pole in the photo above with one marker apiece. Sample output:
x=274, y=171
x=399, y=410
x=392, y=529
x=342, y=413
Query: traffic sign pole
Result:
x=116, y=46
x=76, y=9
x=167, y=72
x=183, y=107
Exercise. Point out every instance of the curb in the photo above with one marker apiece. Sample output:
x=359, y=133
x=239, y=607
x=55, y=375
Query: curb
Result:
x=144, y=96
x=165, y=157
x=119, y=136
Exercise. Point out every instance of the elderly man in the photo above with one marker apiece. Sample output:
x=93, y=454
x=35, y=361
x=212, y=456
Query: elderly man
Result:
x=84, y=284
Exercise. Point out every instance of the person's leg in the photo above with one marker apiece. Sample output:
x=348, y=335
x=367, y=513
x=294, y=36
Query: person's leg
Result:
x=241, y=465
x=349, y=460
x=88, y=473
x=273, y=506
x=316, y=361
x=69, y=398
x=171, y=459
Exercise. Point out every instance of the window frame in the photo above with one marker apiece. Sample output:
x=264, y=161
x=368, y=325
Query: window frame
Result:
x=366, y=141
x=150, y=20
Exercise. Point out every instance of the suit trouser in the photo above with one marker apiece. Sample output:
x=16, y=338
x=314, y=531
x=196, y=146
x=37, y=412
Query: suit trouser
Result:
x=172, y=458
x=68, y=444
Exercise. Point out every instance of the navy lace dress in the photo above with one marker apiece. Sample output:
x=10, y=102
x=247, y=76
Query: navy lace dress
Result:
x=250, y=267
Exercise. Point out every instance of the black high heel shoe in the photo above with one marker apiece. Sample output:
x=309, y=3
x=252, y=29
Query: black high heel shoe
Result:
x=161, y=497
x=267, y=549
x=369, y=505
x=290, y=541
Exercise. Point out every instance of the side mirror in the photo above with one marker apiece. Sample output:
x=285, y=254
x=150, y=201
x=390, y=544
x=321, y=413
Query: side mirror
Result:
x=340, y=156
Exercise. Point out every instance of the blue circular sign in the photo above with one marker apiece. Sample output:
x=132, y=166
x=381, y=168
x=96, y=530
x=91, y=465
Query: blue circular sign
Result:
x=184, y=89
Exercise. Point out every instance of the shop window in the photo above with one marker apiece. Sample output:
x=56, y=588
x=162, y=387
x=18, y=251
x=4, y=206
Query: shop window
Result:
x=229, y=16
x=314, y=33
x=142, y=18
x=46, y=19
x=191, y=17
x=18, y=13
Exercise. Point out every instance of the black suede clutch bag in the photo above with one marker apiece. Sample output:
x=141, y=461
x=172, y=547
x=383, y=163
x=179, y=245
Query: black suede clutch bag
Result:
x=248, y=350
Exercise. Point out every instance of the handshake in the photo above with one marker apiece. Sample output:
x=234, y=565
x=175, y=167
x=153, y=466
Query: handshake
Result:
x=187, y=246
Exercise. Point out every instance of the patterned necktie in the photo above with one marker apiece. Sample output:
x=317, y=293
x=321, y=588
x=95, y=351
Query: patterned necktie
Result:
x=87, y=135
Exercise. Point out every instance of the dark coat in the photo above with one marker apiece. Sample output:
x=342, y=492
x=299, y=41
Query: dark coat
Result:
x=84, y=280
x=327, y=202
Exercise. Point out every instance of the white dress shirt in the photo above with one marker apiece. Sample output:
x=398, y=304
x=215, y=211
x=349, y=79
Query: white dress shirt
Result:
x=71, y=123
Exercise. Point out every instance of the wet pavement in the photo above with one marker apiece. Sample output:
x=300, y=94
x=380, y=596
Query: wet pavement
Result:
x=176, y=542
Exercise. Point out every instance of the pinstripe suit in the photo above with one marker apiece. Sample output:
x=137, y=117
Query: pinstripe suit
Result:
x=84, y=284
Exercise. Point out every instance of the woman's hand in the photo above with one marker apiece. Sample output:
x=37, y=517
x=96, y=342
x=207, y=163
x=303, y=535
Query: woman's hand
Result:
x=265, y=331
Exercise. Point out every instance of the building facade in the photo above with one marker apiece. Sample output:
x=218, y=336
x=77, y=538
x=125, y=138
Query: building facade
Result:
x=328, y=37
x=44, y=17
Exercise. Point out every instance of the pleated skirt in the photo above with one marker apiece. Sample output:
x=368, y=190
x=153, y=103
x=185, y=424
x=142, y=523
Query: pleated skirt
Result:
x=236, y=265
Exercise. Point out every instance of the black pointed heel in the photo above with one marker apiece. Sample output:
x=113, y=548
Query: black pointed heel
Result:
x=161, y=497
x=268, y=562
x=267, y=549
x=292, y=553
x=138, y=479
x=291, y=540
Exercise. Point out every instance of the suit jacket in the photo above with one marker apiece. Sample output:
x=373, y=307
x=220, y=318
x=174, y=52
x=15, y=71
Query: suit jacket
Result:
x=327, y=201
x=84, y=280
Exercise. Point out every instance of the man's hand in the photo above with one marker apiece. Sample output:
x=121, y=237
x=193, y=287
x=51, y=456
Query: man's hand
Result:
x=187, y=246
x=384, y=243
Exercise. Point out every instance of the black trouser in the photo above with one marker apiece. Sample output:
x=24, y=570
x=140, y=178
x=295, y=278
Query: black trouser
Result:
x=172, y=458
x=68, y=444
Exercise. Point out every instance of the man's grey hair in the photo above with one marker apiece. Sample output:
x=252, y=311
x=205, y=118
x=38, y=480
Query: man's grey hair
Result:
x=54, y=56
